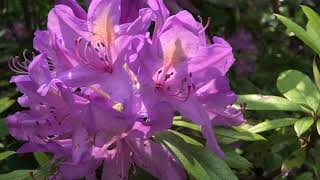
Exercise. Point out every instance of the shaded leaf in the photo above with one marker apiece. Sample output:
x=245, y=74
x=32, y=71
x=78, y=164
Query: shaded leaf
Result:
x=295, y=160
x=18, y=175
x=303, y=125
x=198, y=161
x=3, y=128
x=305, y=176
x=262, y=102
x=234, y=160
x=298, y=88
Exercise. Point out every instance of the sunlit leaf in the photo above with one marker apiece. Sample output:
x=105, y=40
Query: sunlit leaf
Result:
x=262, y=102
x=303, y=125
x=313, y=26
x=273, y=124
x=299, y=32
x=234, y=133
x=298, y=88
x=5, y=103
x=318, y=127
x=238, y=133
x=316, y=74
x=197, y=160
x=41, y=158
x=6, y=154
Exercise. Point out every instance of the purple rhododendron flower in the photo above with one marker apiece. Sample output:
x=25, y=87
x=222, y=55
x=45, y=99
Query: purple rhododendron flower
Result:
x=243, y=44
x=102, y=86
x=180, y=68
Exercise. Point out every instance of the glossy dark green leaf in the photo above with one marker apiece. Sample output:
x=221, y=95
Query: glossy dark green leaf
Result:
x=305, y=176
x=3, y=128
x=236, y=161
x=298, y=88
x=295, y=160
x=198, y=161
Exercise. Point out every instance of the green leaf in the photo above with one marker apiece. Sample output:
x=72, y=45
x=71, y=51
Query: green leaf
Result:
x=234, y=160
x=303, y=125
x=299, y=32
x=6, y=154
x=316, y=74
x=313, y=26
x=318, y=126
x=305, y=176
x=234, y=133
x=41, y=158
x=238, y=133
x=298, y=88
x=262, y=102
x=295, y=160
x=186, y=125
x=18, y=175
x=3, y=128
x=200, y=163
x=273, y=124
x=5, y=103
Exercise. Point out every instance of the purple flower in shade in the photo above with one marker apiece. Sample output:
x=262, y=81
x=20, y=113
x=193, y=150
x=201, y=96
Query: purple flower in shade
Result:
x=245, y=66
x=19, y=30
x=174, y=6
x=243, y=44
x=8, y=34
x=179, y=67
x=242, y=41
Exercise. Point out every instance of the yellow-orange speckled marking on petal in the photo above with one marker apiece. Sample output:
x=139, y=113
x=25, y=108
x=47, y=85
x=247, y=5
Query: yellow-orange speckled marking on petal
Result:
x=174, y=54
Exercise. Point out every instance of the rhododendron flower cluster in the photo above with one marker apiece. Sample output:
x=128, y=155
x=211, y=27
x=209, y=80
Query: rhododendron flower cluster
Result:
x=103, y=85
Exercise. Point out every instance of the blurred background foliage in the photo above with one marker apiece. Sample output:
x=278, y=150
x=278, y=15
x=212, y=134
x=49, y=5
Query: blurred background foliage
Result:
x=274, y=50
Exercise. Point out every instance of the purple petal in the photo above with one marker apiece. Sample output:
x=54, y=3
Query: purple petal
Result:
x=75, y=6
x=102, y=17
x=155, y=159
x=116, y=167
x=130, y=10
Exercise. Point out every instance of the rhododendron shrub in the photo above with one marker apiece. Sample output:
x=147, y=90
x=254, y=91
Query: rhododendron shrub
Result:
x=103, y=85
